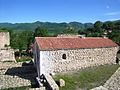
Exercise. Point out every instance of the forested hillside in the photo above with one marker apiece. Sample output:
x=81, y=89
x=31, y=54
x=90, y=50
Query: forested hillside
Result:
x=23, y=34
x=52, y=27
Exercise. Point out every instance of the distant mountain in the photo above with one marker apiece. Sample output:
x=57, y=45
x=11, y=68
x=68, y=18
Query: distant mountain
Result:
x=52, y=27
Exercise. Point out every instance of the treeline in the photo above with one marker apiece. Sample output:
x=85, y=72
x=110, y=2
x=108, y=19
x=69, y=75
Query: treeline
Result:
x=107, y=29
x=51, y=27
x=22, y=40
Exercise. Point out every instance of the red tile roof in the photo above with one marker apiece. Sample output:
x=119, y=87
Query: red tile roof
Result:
x=52, y=43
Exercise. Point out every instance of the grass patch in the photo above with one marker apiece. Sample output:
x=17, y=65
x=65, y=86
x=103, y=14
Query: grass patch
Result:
x=23, y=59
x=87, y=78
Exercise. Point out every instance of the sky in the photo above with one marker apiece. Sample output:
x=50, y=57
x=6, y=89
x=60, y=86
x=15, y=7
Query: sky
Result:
x=23, y=11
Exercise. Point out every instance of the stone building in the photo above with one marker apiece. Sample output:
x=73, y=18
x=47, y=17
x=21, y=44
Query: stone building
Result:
x=6, y=53
x=61, y=54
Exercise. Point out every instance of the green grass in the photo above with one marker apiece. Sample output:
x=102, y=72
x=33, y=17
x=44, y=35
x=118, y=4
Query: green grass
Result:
x=23, y=59
x=87, y=78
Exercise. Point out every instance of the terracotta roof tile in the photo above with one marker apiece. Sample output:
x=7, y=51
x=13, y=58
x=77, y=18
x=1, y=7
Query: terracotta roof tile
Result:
x=52, y=43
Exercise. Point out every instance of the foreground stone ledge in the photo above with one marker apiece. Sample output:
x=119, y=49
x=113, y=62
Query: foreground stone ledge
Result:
x=51, y=84
x=113, y=83
x=99, y=88
x=7, y=81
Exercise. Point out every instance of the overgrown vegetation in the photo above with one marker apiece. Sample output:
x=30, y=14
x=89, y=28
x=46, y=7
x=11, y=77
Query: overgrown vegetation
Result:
x=87, y=78
x=23, y=59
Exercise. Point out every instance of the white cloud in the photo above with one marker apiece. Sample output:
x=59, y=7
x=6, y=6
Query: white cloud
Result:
x=112, y=13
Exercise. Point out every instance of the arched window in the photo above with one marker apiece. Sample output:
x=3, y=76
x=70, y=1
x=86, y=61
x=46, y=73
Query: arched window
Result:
x=64, y=56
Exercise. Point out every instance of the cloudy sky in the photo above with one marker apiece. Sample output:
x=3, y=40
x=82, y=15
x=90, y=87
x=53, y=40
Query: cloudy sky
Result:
x=59, y=10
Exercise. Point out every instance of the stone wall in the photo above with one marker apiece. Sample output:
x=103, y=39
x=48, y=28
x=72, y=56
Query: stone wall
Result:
x=7, y=55
x=114, y=82
x=53, y=62
x=4, y=39
x=14, y=74
x=7, y=81
x=68, y=36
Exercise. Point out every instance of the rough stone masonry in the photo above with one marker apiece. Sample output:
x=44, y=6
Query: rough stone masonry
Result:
x=54, y=54
x=6, y=53
x=77, y=59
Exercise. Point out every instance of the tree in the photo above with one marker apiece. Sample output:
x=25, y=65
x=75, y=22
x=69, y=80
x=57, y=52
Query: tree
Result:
x=21, y=40
x=69, y=30
x=108, y=25
x=98, y=28
x=41, y=32
x=117, y=25
x=115, y=36
x=98, y=25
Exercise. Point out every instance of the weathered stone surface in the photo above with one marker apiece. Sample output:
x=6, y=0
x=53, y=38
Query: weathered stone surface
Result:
x=62, y=82
x=7, y=81
x=7, y=55
x=13, y=74
x=4, y=39
x=51, y=84
x=99, y=88
x=114, y=82
x=52, y=61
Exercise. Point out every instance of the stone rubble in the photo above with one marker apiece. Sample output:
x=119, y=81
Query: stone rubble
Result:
x=13, y=74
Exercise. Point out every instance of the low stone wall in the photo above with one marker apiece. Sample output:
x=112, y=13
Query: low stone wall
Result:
x=14, y=74
x=53, y=62
x=8, y=64
x=49, y=82
x=7, y=55
x=114, y=82
x=7, y=81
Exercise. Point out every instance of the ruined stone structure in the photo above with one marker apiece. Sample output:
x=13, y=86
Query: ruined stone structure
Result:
x=56, y=54
x=13, y=74
x=4, y=39
x=6, y=53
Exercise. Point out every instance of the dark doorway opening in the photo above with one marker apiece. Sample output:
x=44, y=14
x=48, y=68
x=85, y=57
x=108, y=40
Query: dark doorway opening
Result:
x=118, y=57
